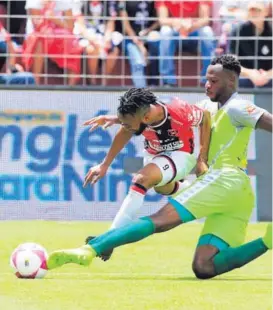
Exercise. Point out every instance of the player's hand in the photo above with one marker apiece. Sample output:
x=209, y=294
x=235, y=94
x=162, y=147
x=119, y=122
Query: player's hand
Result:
x=201, y=168
x=94, y=174
x=103, y=121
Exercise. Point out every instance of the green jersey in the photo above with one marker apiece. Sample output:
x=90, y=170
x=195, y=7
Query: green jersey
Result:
x=231, y=128
x=224, y=195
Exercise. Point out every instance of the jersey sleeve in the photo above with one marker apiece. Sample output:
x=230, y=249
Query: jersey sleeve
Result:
x=245, y=114
x=191, y=114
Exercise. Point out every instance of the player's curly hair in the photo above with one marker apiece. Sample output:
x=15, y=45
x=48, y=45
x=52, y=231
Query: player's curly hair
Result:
x=136, y=100
x=229, y=62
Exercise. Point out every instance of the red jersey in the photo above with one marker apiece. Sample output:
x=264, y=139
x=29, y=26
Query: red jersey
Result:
x=188, y=9
x=175, y=131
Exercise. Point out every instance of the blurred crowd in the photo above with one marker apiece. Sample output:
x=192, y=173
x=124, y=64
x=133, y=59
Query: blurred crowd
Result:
x=140, y=43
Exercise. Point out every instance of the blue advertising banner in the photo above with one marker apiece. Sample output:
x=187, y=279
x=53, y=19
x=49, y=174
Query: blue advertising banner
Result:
x=46, y=151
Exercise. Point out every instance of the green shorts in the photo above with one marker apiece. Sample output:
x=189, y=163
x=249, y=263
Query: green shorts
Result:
x=225, y=198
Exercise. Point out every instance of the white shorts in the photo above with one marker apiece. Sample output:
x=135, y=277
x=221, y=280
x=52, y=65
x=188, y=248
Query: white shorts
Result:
x=174, y=166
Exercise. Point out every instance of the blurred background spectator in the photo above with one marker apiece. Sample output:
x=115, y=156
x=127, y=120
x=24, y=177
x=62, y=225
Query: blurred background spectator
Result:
x=181, y=21
x=11, y=71
x=252, y=43
x=142, y=45
x=15, y=20
x=50, y=32
x=231, y=13
x=96, y=27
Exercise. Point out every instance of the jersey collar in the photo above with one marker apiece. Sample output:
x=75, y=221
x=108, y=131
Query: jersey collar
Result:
x=165, y=116
x=230, y=98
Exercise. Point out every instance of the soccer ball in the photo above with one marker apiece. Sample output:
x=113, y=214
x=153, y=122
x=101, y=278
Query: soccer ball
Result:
x=28, y=261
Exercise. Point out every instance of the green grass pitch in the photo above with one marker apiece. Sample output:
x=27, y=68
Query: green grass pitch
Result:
x=152, y=274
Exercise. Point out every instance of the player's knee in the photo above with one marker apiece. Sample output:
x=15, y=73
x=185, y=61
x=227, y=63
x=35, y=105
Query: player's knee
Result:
x=143, y=180
x=203, y=269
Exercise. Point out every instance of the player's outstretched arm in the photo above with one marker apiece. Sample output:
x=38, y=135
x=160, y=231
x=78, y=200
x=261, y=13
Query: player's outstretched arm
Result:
x=204, y=136
x=103, y=121
x=95, y=173
x=121, y=139
x=265, y=122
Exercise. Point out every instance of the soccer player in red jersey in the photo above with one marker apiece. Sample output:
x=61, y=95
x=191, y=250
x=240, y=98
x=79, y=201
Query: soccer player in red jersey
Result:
x=169, y=146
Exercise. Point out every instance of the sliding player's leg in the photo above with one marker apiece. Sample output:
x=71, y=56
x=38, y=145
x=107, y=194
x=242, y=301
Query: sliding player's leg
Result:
x=170, y=216
x=165, y=219
x=220, y=248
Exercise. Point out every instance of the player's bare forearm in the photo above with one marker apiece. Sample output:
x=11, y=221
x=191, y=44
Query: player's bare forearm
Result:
x=204, y=136
x=265, y=122
x=121, y=139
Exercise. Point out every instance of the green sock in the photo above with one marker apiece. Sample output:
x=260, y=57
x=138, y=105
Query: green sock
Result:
x=132, y=232
x=232, y=258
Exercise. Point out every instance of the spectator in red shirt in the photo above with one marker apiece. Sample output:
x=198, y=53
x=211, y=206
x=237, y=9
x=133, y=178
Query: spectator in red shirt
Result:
x=184, y=20
x=50, y=33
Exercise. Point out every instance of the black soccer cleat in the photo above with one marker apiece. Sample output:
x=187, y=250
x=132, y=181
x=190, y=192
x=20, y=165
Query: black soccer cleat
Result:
x=104, y=256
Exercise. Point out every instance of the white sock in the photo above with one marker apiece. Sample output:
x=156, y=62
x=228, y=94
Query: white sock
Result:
x=130, y=206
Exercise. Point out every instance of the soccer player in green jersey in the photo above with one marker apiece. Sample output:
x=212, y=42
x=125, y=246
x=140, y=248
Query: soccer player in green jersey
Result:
x=223, y=195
